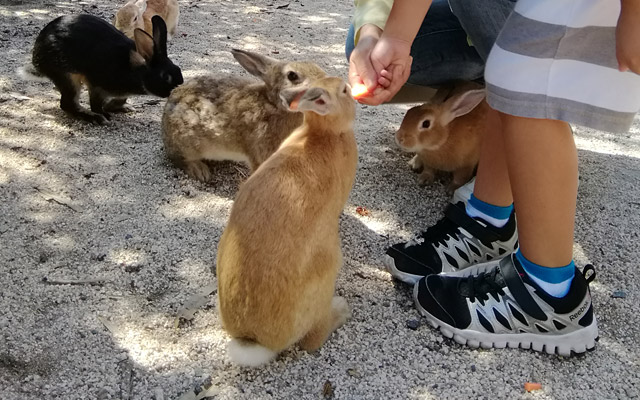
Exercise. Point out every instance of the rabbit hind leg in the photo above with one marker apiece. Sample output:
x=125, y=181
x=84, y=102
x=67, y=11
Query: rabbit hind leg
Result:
x=197, y=169
x=97, y=100
x=335, y=318
x=69, y=86
x=117, y=105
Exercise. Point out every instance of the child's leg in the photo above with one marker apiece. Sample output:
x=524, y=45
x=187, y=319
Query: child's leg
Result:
x=543, y=169
x=492, y=178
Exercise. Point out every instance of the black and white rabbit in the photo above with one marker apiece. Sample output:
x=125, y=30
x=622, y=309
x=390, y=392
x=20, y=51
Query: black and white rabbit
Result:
x=72, y=50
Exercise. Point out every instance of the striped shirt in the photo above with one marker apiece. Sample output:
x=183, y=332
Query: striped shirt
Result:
x=556, y=59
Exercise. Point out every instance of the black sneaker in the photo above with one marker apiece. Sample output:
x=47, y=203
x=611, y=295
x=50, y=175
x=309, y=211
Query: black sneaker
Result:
x=455, y=242
x=504, y=307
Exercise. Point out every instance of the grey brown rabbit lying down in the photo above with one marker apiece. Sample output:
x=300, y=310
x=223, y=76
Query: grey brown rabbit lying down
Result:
x=280, y=253
x=226, y=117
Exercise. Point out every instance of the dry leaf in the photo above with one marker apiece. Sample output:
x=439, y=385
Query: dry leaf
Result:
x=363, y=211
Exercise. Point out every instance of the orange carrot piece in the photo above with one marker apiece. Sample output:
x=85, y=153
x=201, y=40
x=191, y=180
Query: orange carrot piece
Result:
x=359, y=90
x=531, y=386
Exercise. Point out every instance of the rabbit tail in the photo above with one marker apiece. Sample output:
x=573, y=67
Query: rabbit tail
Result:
x=249, y=353
x=29, y=73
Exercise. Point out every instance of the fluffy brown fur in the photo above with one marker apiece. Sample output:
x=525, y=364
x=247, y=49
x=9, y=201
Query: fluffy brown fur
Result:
x=445, y=136
x=233, y=118
x=280, y=253
x=138, y=14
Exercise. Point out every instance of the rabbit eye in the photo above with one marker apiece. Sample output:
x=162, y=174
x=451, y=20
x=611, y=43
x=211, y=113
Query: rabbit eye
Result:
x=426, y=124
x=292, y=76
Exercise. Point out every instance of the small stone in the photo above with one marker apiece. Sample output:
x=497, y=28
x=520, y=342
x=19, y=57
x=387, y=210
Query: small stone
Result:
x=353, y=372
x=128, y=236
x=133, y=268
x=473, y=368
x=619, y=294
x=413, y=324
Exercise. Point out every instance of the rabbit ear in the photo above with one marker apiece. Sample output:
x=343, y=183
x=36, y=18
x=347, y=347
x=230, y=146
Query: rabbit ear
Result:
x=144, y=44
x=462, y=104
x=315, y=99
x=159, y=35
x=255, y=64
x=142, y=5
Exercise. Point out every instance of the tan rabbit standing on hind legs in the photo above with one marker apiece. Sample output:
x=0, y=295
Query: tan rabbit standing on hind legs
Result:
x=280, y=253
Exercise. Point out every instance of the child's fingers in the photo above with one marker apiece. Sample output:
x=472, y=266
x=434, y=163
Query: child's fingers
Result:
x=377, y=97
x=399, y=78
x=384, y=78
x=386, y=73
x=384, y=82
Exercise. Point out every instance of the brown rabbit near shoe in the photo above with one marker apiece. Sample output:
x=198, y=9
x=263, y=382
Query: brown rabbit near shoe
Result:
x=225, y=117
x=280, y=253
x=445, y=135
x=138, y=14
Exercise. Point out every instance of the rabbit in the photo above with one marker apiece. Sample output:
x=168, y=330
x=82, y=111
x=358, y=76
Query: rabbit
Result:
x=445, y=136
x=280, y=253
x=225, y=117
x=138, y=14
x=72, y=50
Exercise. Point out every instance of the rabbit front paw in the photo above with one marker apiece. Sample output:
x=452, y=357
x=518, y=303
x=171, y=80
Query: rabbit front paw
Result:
x=93, y=117
x=416, y=163
x=341, y=311
x=198, y=170
x=427, y=176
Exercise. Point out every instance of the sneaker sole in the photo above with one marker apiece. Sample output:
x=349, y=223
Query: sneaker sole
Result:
x=390, y=266
x=576, y=342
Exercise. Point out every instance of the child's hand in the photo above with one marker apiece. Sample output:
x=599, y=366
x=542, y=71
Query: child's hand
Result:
x=628, y=37
x=361, y=70
x=391, y=60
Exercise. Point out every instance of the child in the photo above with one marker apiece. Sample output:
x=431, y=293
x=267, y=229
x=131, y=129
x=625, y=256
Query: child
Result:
x=553, y=63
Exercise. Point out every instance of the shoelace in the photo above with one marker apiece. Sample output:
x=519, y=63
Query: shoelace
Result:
x=440, y=232
x=479, y=287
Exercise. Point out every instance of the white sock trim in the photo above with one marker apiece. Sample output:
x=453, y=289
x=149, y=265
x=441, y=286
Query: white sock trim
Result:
x=474, y=212
x=554, y=289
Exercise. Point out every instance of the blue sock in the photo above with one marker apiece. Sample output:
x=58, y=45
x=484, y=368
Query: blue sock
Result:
x=495, y=215
x=555, y=281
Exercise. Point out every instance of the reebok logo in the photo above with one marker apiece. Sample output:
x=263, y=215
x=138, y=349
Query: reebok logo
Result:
x=580, y=311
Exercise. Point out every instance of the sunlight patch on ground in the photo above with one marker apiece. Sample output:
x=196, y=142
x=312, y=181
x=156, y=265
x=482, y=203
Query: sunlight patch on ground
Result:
x=128, y=256
x=316, y=19
x=619, y=349
x=377, y=221
x=579, y=255
x=181, y=208
x=607, y=147
x=251, y=10
x=61, y=242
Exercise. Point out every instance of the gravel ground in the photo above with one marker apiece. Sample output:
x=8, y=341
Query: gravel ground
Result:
x=100, y=207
